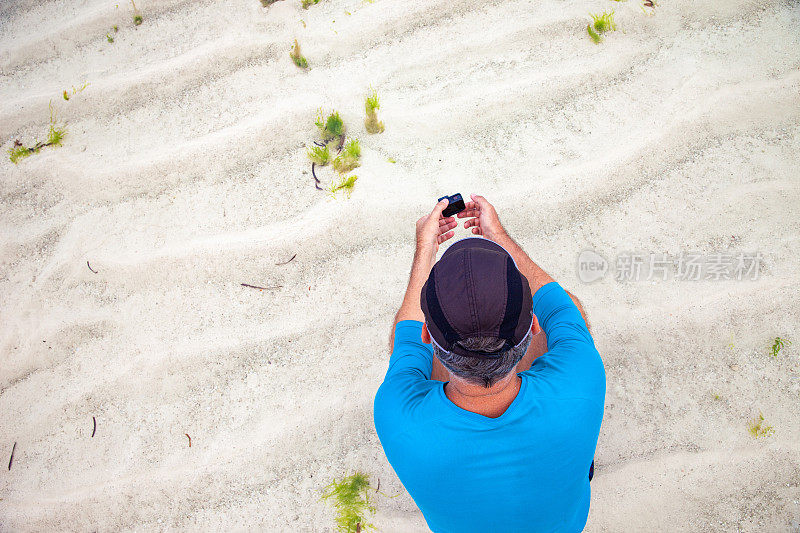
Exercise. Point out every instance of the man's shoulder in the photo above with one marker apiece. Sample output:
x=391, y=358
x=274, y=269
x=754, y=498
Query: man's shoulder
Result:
x=402, y=406
x=579, y=374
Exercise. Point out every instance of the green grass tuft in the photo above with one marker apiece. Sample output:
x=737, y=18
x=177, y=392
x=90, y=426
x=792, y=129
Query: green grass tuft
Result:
x=334, y=125
x=20, y=151
x=55, y=135
x=371, y=123
x=602, y=23
x=137, y=17
x=75, y=90
x=109, y=38
x=372, y=102
x=352, y=149
x=347, y=160
x=778, y=345
x=350, y=495
x=347, y=183
x=319, y=155
x=309, y=3
x=593, y=34
x=297, y=56
x=330, y=127
x=758, y=427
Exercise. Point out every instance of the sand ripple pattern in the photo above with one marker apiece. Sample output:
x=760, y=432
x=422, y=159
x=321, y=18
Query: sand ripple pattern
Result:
x=183, y=175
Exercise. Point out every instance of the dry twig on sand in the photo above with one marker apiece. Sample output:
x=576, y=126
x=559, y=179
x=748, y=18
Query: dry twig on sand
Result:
x=287, y=262
x=260, y=288
x=11, y=460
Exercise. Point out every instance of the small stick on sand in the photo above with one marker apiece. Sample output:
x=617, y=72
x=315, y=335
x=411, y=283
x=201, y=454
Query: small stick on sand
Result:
x=11, y=460
x=286, y=262
x=190, y=439
x=94, y=426
x=90, y=267
x=379, y=485
x=261, y=288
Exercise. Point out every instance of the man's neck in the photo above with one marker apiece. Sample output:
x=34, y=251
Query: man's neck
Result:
x=491, y=402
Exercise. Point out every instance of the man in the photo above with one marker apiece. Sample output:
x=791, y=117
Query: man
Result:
x=498, y=431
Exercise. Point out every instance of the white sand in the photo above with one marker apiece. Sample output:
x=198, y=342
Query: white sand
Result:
x=183, y=175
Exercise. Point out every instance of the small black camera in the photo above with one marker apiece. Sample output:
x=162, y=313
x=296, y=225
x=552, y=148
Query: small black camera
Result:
x=456, y=205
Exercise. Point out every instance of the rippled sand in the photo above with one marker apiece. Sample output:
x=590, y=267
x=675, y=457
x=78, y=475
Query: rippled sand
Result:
x=183, y=175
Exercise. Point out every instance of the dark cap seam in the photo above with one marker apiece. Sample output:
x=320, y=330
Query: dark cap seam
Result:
x=445, y=312
x=473, y=308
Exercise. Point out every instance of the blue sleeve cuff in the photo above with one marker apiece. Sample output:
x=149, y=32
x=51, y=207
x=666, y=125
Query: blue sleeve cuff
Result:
x=408, y=350
x=544, y=291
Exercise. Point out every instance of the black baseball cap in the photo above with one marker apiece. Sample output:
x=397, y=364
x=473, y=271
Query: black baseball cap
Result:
x=475, y=289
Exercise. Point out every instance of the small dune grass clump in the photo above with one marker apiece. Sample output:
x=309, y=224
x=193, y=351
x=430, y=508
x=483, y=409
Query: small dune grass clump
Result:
x=55, y=135
x=297, y=56
x=350, y=496
x=319, y=155
x=346, y=184
x=602, y=23
x=759, y=428
x=371, y=104
x=348, y=158
x=308, y=3
x=75, y=90
x=330, y=127
x=778, y=345
x=137, y=16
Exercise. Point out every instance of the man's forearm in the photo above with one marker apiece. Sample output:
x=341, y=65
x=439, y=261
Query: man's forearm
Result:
x=537, y=277
x=411, y=309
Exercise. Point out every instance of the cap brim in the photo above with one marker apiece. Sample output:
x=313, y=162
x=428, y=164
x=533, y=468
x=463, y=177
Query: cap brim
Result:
x=476, y=242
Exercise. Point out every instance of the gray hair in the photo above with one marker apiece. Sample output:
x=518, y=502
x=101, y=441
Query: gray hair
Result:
x=482, y=371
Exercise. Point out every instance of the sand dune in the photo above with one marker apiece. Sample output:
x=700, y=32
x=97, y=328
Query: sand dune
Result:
x=183, y=175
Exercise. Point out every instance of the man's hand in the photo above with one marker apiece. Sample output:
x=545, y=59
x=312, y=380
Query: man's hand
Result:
x=484, y=219
x=433, y=229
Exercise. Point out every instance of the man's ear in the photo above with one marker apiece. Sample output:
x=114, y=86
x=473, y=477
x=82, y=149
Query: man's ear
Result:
x=535, y=328
x=426, y=336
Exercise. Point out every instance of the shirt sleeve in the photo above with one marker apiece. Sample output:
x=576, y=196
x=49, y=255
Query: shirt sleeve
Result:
x=407, y=381
x=571, y=355
x=410, y=356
